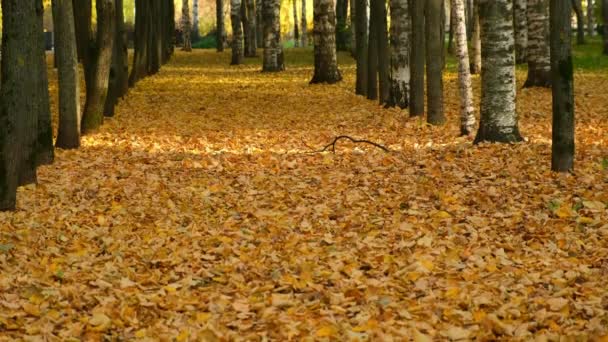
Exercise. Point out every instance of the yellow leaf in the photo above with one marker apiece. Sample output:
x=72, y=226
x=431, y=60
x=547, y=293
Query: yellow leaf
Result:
x=183, y=336
x=452, y=292
x=327, y=331
x=141, y=333
x=100, y=322
x=441, y=214
x=203, y=317
x=564, y=211
x=31, y=309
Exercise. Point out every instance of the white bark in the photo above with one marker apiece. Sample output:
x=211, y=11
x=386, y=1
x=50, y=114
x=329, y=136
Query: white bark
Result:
x=467, y=113
x=195, y=19
x=304, y=26
x=476, y=41
x=521, y=30
x=400, y=53
x=237, y=32
x=539, y=63
x=186, y=26
x=590, y=19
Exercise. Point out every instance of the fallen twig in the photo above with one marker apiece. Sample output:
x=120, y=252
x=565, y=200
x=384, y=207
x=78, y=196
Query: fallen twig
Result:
x=357, y=141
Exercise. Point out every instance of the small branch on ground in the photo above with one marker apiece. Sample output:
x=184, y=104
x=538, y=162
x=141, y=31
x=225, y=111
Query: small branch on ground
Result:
x=356, y=141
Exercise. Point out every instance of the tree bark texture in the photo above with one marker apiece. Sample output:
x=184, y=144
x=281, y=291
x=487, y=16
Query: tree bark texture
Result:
x=434, y=64
x=520, y=24
x=400, y=53
x=580, y=21
x=341, y=29
x=467, y=113
x=476, y=41
x=539, y=64
x=186, y=26
x=220, y=29
x=417, y=58
x=362, y=54
x=304, y=25
x=324, y=36
x=273, y=50
x=237, y=32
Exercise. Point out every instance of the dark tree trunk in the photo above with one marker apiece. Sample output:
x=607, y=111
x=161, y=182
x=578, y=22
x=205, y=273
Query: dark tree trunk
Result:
x=605, y=16
x=361, y=30
x=562, y=158
x=372, y=52
x=452, y=29
x=580, y=21
x=168, y=25
x=97, y=66
x=237, y=32
x=119, y=70
x=44, y=141
x=417, y=59
x=141, y=39
x=82, y=22
x=251, y=50
x=384, y=60
x=68, y=135
x=155, y=44
x=245, y=28
x=341, y=29
x=259, y=23
x=18, y=115
x=220, y=26
x=434, y=65
x=326, y=59
x=296, y=25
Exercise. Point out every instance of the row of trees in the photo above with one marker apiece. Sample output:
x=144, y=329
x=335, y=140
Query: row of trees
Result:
x=392, y=66
x=26, y=136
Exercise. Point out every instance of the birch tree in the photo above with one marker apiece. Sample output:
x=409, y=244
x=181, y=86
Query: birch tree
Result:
x=304, y=25
x=324, y=36
x=417, y=58
x=539, y=64
x=220, y=27
x=400, y=53
x=68, y=135
x=521, y=30
x=195, y=21
x=476, y=41
x=562, y=156
x=237, y=32
x=590, y=18
x=186, y=26
x=498, y=112
x=273, y=50
x=467, y=115
x=296, y=25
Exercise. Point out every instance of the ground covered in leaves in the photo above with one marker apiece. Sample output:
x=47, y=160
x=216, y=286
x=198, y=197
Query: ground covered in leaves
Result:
x=199, y=213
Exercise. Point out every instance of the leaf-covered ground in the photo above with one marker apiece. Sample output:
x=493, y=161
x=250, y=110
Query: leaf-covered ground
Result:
x=197, y=213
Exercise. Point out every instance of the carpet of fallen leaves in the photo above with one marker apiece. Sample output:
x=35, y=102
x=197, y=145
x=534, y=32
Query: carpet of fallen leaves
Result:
x=197, y=213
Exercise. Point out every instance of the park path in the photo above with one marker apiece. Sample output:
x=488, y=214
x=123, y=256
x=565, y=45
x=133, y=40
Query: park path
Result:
x=197, y=213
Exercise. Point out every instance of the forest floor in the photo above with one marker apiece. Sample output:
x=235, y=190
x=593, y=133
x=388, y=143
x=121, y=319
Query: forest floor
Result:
x=200, y=213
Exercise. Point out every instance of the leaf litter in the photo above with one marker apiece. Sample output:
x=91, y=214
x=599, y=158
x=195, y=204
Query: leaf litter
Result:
x=197, y=214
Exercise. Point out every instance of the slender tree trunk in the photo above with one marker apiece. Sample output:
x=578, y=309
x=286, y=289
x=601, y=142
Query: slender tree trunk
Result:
x=142, y=35
x=68, y=135
x=467, y=113
x=605, y=16
x=400, y=53
x=562, y=157
x=434, y=65
x=99, y=67
x=324, y=32
x=296, y=25
x=539, y=64
x=251, y=49
x=195, y=21
x=353, y=29
x=245, y=26
x=168, y=35
x=44, y=140
x=341, y=31
x=384, y=58
x=237, y=32
x=119, y=70
x=273, y=50
x=476, y=41
x=304, y=24
x=220, y=26
x=372, y=52
x=18, y=112
x=362, y=54
x=580, y=21
x=259, y=23
x=82, y=24
x=451, y=33
x=417, y=59
x=498, y=112
x=187, y=26
x=156, y=38
x=590, y=19
x=521, y=30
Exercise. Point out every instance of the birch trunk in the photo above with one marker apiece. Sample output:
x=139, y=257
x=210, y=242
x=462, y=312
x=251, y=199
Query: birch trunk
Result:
x=273, y=51
x=498, y=112
x=195, y=21
x=361, y=27
x=237, y=32
x=324, y=36
x=417, y=59
x=400, y=53
x=590, y=19
x=539, y=64
x=384, y=58
x=476, y=41
x=521, y=30
x=251, y=51
x=220, y=28
x=372, y=53
x=186, y=26
x=68, y=135
x=296, y=24
x=304, y=26
x=467, y=113
x=562, y=156
x=434, y=62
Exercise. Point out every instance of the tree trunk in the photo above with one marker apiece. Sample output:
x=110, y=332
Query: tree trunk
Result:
x=82, y=25
x=168, y=35
x=434, y=65
x=296, y=25
x=562, y=156
x=195, y=21
x=476, y=41
x=237, y=32
x=304, y=25
x=400, y=53
x=417, y=59
x=141, y=38
x=353, y=29
x=539, y=64
x=361, y=27
x=372, y=52
x=341, y=30
x=324, y=36
x=98, y=67
x=521, y=30
x=68, y=135
x=119, y=70
x=251, y=49
x=590, y=19
x=44, y=140
x=580, y=21
x=605, y=16
x=187, y=26
x=259, y=27
x=451, y=33
x=220, y=29
x=18, y=115
x=245, y=25
x=498, y=113
x=273, y=50
x=467, y=113
x=155, y=45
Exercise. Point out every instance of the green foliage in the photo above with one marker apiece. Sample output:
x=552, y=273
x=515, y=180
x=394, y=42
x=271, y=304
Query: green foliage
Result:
x=206, y=42
x=589, y=56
